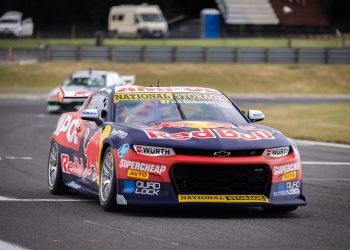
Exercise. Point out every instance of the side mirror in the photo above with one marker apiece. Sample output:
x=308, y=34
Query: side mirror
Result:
x=256, y=115
x=91, y=115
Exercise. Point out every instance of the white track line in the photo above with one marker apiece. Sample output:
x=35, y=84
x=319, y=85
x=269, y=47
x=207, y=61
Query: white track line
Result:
x=134, y=233
x=4, y=198
x=336, y=163
x=318, y=143
x=7, y=245
x=17, y=158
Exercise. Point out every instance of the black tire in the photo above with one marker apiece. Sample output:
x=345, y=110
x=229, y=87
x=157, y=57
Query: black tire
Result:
x=54, y=171
x=280, y=209
x=107, y=195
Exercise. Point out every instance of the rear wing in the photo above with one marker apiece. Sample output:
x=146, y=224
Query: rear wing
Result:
x=127, y=79
x=78, y=94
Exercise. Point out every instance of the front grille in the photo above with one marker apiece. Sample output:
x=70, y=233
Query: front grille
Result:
x=233, y=153
x=220, y=179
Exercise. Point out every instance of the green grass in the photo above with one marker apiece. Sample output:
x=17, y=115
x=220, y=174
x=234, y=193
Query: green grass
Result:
x=313, y=122
x=326, y=122
x=231, y=42
x=230, y=78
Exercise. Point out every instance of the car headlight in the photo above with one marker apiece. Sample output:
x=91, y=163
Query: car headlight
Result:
x=276, y=152
x=153, y=151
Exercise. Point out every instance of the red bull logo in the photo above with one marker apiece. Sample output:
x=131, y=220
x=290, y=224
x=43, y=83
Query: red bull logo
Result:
x=91, y=151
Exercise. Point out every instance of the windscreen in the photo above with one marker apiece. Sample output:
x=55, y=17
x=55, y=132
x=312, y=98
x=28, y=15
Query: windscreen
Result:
x=152, y=17
x=161, y=107
x=11, y=21
x=95, y=81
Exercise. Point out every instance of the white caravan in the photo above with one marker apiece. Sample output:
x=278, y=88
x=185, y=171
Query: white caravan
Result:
x=11, y=23
x=137, y=21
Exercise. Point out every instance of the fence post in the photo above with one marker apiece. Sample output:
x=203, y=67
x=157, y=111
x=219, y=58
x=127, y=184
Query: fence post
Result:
x=174, y=54
x=298, y=52
x=111, y=54
x=79, y=53
x=47, y=53
x=205, y=54
x=268, y=56
x=10, y=55
x=328, y=52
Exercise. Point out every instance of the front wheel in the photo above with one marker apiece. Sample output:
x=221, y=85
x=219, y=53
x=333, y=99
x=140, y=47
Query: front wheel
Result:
x=280, y=210
x=54, y=171
x=107, y=189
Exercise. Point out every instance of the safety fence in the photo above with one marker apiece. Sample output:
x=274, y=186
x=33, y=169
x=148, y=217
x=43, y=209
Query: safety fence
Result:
x=184, y=54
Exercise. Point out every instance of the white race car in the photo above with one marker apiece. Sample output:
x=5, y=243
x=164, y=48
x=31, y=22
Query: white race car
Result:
x=90, y=80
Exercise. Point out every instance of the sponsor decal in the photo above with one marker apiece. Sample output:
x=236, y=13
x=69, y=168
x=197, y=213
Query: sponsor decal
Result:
x=123, y=150
x=142, y=96
x=68, y=126
x=222, y=198
x=289, y=176
x=74, y=167
x=153, y=151
x=200, y=96
x=278, y=170
x=90, y=112
x=293, y=184
x=119, y=133
x=138, y=174
x=91, y=151
x=142, y=187
x=276, y=152
x=287, y=188
x=210, y=134
x=222, y=153
x=142, y=166
x=129, y=187
x=164, y=89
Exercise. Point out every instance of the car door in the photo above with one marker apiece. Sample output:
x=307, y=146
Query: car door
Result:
x=90, y=135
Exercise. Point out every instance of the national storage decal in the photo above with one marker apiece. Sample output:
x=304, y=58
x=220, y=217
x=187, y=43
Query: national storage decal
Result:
x=222, y=198
x=142, y=96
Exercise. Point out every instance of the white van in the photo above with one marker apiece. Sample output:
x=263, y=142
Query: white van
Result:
x=11, y=23
x=137, y=21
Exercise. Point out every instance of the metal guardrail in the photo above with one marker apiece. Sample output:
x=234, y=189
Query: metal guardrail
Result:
x=184, y=54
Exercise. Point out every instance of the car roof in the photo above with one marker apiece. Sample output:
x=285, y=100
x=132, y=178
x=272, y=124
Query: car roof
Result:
x=87, y=73
x=189, y=89
x=11, y=15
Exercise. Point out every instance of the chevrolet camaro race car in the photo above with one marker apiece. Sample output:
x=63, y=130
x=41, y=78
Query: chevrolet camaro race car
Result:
x=89, y=80
x=173, y=146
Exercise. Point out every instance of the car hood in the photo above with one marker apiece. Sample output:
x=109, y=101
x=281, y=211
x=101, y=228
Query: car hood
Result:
x=53, y=92
x=204, y=135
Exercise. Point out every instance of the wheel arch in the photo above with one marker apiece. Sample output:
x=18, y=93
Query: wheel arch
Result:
x=105, y=146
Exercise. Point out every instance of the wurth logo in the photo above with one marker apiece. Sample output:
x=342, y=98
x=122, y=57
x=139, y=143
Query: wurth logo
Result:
x=153, y=151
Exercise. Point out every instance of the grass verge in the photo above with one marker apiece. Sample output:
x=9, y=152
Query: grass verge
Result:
x=230, y=78
x=326, y=122
x=230, y=42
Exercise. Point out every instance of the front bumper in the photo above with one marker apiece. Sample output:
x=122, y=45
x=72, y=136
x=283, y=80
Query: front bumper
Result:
x=145, y=180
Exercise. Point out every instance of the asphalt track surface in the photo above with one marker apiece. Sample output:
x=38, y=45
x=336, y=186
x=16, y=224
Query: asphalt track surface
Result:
x=32, y=218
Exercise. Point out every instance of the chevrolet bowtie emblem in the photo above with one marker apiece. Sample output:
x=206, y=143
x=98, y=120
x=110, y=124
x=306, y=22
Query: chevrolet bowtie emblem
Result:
x=222, y=153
